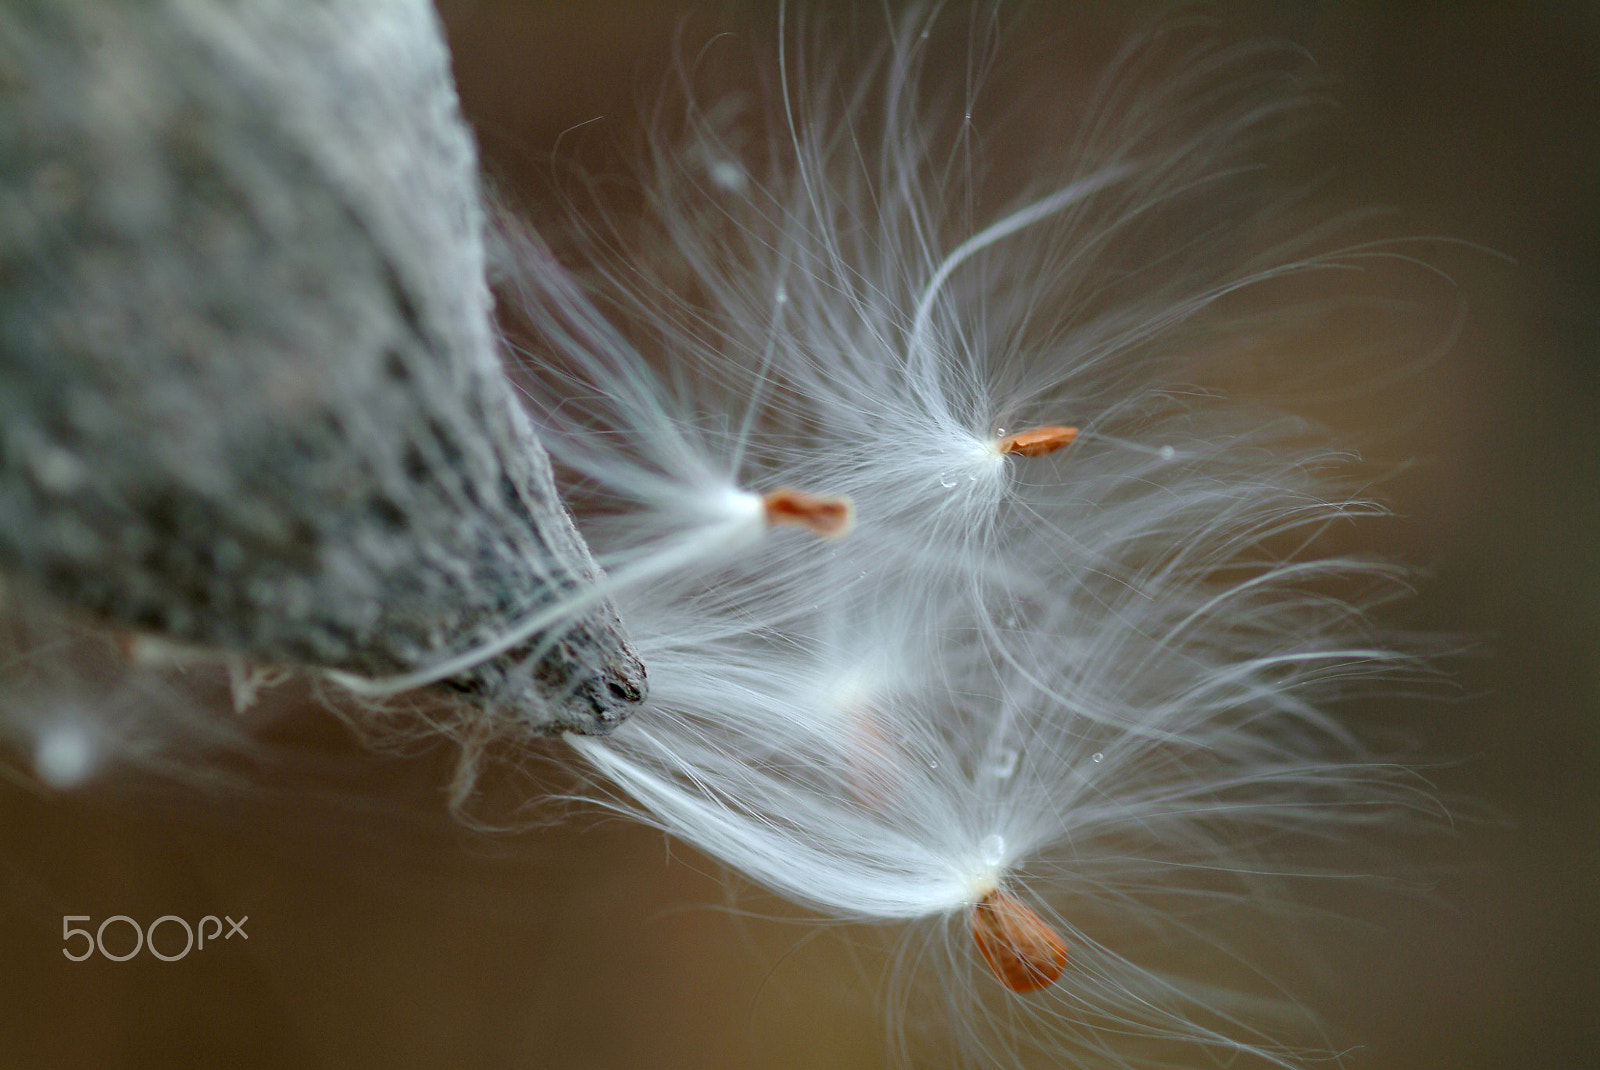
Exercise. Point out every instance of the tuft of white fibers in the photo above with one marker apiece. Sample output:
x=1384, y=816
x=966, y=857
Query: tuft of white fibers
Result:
x=80, y=706
x=1056, y=700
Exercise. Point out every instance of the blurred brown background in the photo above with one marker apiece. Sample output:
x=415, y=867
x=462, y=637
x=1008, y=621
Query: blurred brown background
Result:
x=382, y=935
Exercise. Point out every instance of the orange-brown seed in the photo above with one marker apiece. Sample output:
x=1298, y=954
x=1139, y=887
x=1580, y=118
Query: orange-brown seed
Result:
x=1037, y=441
x=1019, y=946
x=827, y=517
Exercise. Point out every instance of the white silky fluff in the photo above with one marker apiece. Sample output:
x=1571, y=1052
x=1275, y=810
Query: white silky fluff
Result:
x=79, y=708
x=1091, y=677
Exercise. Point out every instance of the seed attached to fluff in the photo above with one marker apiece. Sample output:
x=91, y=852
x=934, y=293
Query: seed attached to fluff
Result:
x=1019, y=946
x=829, y=518
x=1036, y=441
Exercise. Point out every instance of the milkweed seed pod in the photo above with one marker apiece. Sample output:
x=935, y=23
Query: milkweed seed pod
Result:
x=250, y=390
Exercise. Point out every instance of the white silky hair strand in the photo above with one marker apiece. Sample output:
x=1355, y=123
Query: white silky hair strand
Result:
x=1096, y=678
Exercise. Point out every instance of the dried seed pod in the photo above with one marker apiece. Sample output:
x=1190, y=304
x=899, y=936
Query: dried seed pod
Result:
x=251, y=394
